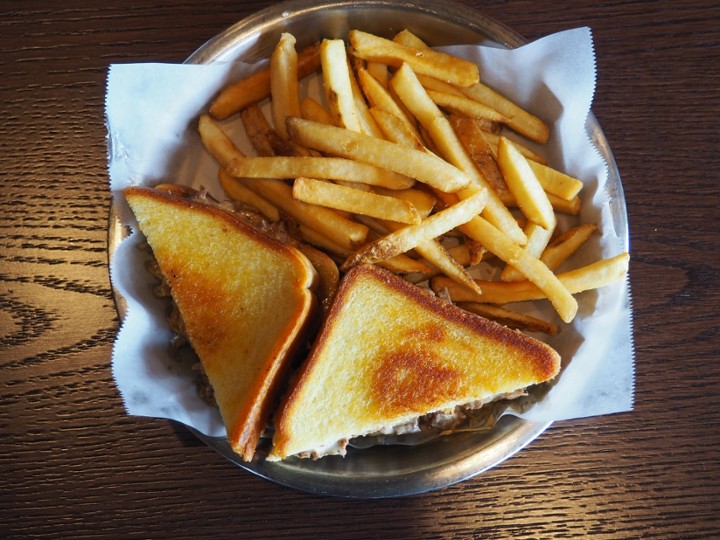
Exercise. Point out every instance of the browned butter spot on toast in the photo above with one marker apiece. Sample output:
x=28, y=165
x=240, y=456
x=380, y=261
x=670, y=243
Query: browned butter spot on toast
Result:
x=412, y=376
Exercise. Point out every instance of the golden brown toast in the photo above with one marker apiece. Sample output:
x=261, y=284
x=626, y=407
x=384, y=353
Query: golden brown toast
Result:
x=390, y=352
x=244, y=297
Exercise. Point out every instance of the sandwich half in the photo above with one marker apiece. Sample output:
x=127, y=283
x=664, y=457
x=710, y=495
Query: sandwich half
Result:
x=244, y=298
x=389, y=353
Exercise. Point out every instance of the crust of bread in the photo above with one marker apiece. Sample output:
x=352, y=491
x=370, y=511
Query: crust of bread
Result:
x=418, y=354
x=245, y=299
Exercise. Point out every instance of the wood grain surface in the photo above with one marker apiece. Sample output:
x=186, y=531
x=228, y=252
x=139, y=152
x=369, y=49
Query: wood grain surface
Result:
x=74, y=465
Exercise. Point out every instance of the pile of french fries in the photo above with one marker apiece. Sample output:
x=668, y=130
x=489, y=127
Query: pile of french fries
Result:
x=411, y=163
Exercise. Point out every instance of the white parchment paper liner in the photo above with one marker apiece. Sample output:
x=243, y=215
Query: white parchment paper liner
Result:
x=152, y=112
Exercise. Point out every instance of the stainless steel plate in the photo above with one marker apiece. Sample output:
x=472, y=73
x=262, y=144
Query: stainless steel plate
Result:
x=383, y=471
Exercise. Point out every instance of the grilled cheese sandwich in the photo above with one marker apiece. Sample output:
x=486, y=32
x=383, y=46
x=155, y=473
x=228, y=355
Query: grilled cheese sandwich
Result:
x=388, y=353
x=245, y=299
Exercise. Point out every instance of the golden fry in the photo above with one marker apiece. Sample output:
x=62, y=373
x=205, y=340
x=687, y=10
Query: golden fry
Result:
x=517, y=118
x=523, y=184
x=284, y=82
x=240, y=193
x=332, y=168
x=416, y=99
x=408, y=238
x=336, y=81
x=422, y=166
x=235, y=97
x=354, y=200
x=426, y=61
x=593, y=276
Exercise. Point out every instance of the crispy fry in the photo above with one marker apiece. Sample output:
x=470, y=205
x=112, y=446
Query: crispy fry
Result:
x=379, y=72
x=338, y=229
x=409, y=237
x=312, y=110
x=566, y=244
x=468, y=107
x=414, y=96
x=433, y=84
x=423, y=201
x=593, y=276
x=354, y=200
x=556, y=183
x=336, y=81
x=571, y=207
x=262, y=135
x=284, y=82
x=235, y=97
x=397, y=130
x=332, y=168
x=531, y=267
x=216, y=141
x=367, y=122
x=494, y=138
x=380, y=98
x=422, y=166
x=517, y=118
x=407, y=38
x=523, y=184
x=510, y=318
x=426, y=61
x=469, y=132
x=238, y=192
x=538, y=238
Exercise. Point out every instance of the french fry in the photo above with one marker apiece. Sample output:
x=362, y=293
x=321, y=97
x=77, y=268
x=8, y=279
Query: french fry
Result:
x=510, y=318
x=235, y=97
x=469, y=132
x=414, y=96
x=397, y=130
x=523, y=184
x=593, y=276
x=354, y=200
x=538, y=238
x=284, y=82
x=517, y=118
x=380, y=98
x=379, y=72
x=409, y=237
x=240, y=193
x=531, y=267
x=367, y=122
x=426, y=61
x=264, y=138
x=332, y=168
x=433, y=84
x=566, y=244
x=216, y=141
x=563, y=206
x=468, y=107
x=556, y=183
x=422, y=166
x=494, y=138
x=423, y=201
x=336, y=81
x=337, y=228
x=312, y=110
x=407, y=38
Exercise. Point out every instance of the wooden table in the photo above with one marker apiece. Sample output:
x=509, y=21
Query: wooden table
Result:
x=73, y=465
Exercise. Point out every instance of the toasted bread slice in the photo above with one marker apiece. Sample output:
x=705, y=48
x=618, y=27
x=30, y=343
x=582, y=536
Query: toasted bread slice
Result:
x=389, y=353
x=244, y=297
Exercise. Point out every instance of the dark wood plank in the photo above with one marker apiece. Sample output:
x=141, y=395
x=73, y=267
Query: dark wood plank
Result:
x=73, y=465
